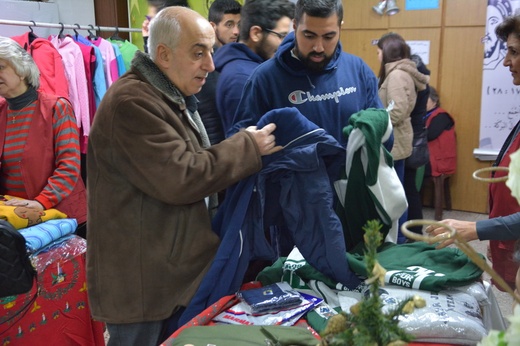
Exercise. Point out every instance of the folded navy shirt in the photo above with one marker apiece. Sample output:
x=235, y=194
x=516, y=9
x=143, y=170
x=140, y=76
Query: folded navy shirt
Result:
x=274, y=297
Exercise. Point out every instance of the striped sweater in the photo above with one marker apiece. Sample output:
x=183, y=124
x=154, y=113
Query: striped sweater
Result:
x=66, y=147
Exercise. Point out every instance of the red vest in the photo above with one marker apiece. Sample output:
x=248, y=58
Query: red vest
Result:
x=38, y=158
x=443, y=149
x=502, y=203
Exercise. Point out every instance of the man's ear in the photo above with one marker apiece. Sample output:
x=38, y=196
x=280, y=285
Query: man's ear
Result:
x=163, y=56
x=214, y=25
x=255, y=33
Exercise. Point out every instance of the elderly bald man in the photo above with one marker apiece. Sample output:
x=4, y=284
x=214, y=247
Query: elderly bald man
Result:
x=150, y=171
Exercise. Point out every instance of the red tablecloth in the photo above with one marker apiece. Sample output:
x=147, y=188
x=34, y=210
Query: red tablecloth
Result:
x=206, y=316
x=56, y=310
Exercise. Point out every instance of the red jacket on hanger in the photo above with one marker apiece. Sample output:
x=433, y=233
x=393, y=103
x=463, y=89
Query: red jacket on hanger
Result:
x=53, y=80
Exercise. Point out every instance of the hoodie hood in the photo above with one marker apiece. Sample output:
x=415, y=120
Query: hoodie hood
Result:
x=234, y=51
x=292, y=64
x=420, y=80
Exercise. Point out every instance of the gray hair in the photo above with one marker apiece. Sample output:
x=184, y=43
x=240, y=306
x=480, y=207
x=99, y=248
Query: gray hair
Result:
x=165, y=28
x=21, y=61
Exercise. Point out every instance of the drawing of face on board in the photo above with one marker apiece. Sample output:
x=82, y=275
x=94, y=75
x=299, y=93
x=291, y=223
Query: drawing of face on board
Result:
x=494, y=49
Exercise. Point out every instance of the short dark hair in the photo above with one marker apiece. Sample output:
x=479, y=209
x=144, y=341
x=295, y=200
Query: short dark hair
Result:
x=219, y=8
x=318, y=8
x=160, y=4
x=421, y=66
x=510, y=25
x=263, y=13
x=394, y=48
x=434, y=96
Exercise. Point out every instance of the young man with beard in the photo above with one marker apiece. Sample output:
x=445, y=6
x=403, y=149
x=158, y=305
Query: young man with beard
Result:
x=312, y=73
x=263, y=26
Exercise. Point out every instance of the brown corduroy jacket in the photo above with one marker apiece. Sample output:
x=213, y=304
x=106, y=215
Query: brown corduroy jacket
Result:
x=149, y=234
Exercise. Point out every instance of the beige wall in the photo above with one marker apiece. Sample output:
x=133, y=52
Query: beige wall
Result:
x=454, y=31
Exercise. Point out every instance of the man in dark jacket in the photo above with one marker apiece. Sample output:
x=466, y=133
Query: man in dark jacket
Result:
x=224, y=16
x=150, y=168
x=263, y=26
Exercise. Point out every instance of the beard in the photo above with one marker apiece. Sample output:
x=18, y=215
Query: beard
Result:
x=491, y=47
x=313, y=65
x=263, y=49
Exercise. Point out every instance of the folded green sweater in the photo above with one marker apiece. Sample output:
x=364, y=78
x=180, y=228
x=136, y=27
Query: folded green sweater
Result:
x=416, y=265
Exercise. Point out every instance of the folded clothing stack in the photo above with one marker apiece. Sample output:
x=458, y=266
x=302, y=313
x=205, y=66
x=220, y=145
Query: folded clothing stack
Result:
x=450, y=316
x=43, y=234
x=274, y=297
x=276, y=304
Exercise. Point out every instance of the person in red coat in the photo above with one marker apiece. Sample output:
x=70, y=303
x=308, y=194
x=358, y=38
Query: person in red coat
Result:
x=503, y=227
x=442, y=142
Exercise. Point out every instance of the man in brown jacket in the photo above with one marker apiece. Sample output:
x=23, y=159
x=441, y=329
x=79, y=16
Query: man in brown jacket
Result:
x=150, y=170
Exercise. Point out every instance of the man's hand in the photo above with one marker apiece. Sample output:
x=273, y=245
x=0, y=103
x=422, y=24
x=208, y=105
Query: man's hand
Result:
x=465, y=229
x=265, y=139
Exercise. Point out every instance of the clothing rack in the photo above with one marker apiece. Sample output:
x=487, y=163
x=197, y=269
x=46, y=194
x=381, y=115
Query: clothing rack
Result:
x=67, y=26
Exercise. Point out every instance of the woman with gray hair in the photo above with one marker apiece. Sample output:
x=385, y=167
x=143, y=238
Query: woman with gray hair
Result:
x=40, y=155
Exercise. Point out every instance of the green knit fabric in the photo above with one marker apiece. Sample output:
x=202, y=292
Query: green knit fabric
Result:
x=373, y=123
x=419, y=265
x=318, y=321
x=360, y=205
x=416, y=265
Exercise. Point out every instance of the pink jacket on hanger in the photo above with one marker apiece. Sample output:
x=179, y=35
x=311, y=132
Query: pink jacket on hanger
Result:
x=75, y=71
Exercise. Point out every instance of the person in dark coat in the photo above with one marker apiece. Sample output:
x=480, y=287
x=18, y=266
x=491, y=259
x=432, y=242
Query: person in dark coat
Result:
x=263, y=26
x=418, y=123
x=224, y=16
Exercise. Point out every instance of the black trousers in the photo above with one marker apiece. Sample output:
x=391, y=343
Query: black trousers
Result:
x=81, y=230
x=413, y=197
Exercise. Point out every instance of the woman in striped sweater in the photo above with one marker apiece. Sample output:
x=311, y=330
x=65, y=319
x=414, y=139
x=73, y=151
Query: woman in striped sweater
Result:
x=40, y=154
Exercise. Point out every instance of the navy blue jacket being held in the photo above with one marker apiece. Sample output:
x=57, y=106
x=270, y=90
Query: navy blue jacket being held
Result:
x=293, y=195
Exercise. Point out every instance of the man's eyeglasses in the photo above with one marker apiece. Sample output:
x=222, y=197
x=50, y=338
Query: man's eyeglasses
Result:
x=280, y=36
